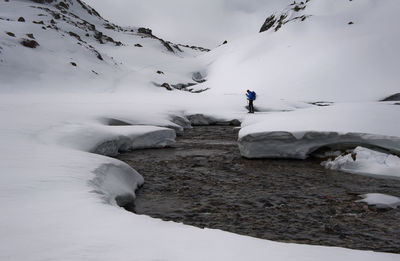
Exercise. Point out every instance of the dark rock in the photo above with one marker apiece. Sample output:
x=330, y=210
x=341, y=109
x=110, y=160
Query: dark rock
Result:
x=29, y=43
x=10, y=34
x=73, y=64
x=166, y=44
x=225, y=42
x=99, y=36
x=109, y=26
x=126, y=201
x=62, y=5
x=30, y=36
x=138, y=45
x=298, y=8
x=43, y=1
x=182, y=86
x=99, y=56
x=160, y=72
x=394, y=97
x=166, y=86
x=143, y=30
x=198, y=77
x=235, y=123
x=38, y=22
x=350, y=22
x=269, y=22
x=75, y=35
x=21, y=19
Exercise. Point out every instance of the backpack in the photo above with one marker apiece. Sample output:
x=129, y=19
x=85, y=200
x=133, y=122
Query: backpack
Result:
x=254, y=95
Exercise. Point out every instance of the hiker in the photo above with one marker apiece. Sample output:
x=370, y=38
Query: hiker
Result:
x=251, y=96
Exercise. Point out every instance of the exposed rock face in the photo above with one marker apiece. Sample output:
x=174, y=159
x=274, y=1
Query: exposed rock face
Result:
x=269, y=22
x=394, y=97
x=291, y=13
x=166, y=86
x=143, y=30
x=29, y=43
x=42, y=1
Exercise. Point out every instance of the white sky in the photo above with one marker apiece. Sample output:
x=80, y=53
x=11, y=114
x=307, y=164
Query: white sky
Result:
x=206, y=23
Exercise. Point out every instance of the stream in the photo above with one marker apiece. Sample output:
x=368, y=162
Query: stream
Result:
x=204, y=182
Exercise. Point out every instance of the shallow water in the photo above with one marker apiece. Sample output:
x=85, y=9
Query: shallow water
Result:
x=204, y=182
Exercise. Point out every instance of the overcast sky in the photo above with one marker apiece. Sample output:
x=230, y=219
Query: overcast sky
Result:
x=205, y=23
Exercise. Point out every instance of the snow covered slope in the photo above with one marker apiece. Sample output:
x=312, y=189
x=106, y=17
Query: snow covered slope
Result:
x=321, y=53
x=331, y=50
x=65, y=46
x=74, y=86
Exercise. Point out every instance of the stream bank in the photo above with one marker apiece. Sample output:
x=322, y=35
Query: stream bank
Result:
x=203, y=181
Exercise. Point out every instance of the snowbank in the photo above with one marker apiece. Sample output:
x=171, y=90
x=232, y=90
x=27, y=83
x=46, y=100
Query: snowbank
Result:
x=297, y=134
x=116, y=184
x=366, y=161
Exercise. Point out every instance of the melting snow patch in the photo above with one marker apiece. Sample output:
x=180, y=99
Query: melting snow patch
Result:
x=380, y=200
x=366, y=161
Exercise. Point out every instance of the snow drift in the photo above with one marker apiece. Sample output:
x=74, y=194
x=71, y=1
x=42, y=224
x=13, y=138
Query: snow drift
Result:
x=299, y=133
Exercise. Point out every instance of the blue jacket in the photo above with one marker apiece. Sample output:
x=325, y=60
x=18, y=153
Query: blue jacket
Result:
x=250, y=96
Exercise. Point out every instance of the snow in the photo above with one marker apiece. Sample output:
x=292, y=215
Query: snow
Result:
x=322, y=58
x=380, y=200
x=366, y=161
x=298, y=133
x=59, y=195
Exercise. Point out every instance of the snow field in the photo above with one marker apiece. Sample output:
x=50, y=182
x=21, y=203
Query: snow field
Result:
x=60, y=198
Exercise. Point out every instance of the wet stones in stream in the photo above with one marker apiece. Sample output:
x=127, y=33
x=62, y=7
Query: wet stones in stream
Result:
x=203, y=181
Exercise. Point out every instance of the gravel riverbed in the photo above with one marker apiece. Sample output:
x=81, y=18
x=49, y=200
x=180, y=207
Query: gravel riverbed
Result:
x=203, y=181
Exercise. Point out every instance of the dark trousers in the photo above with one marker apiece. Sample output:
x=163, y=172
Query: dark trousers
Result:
x=251, y=106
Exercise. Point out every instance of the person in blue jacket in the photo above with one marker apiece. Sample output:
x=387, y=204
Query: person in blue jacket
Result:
x=251, y=96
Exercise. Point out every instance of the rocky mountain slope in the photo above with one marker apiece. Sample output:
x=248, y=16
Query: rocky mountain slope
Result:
x=42, y=42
